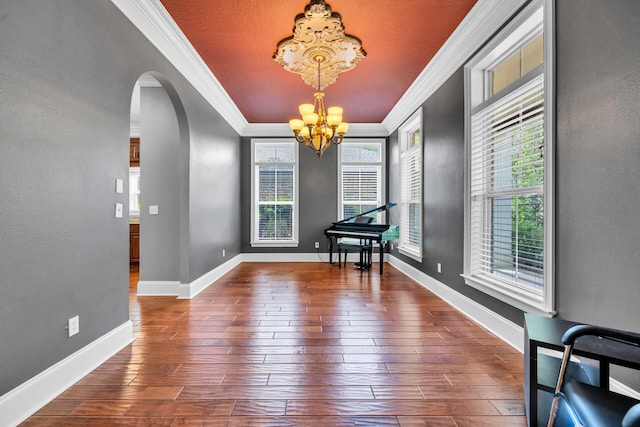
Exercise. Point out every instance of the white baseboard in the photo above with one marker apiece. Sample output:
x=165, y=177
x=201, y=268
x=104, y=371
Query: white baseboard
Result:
x=29, y=397
x=286, y=257
x=158, y=288
x=190, y=290
x=504, y=329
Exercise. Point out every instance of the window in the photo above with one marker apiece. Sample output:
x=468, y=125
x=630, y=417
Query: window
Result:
x=508, y=224
x=410, y=135
x=361, y=177
x=134, y=191
x=274, y=177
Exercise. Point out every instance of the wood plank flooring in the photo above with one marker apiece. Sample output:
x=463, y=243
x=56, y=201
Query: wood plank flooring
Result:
x=300, y=344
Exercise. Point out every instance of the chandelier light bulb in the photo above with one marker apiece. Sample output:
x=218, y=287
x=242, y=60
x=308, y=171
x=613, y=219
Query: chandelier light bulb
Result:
x=296, y=124
x=305, y=109
x=342, y=128
x=333, y=120
x=334, y=111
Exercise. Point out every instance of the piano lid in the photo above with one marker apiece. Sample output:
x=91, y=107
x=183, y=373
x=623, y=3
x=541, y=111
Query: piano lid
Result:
x=378, y=209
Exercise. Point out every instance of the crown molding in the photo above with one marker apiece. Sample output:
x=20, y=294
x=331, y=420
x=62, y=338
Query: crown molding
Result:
x=283, y=130
x=482, y=21
x=155, y=23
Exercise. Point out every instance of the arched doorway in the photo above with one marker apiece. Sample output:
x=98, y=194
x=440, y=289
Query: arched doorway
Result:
x=158, y=186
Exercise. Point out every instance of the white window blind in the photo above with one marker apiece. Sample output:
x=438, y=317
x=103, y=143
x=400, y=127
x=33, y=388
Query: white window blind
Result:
x=274, y=194
x=411, y=192
x=360, y=189
x=361, y=177
x=507, y=189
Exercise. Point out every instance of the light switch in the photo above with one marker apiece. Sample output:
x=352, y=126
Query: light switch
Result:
x=153, y=210
x=118, y=210
x=119, y=185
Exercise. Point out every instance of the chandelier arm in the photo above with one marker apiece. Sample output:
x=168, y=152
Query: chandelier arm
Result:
x=336, y=139
x=299, y=137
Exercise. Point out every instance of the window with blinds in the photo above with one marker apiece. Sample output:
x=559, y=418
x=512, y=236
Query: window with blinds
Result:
x=274, y=193
x=411, y=187
x=507, y=188
x=134, y=191
x=361, y=177
x=509, y=164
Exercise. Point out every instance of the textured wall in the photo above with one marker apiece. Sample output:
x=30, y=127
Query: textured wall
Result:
x=598, y=162
x=160, y=186
x=214, y=186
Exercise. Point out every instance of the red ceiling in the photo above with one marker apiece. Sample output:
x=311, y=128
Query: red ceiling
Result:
x=237, y=40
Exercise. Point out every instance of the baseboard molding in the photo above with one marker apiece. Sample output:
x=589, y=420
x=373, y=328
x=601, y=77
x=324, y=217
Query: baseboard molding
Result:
x=29, y=397
x=150, y=288
x=190, y=290
x=158, y=288
x=286, y=257
x=504, y=329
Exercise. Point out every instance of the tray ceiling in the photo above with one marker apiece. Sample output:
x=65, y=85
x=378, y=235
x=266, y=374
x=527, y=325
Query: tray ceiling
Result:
x=237, y=39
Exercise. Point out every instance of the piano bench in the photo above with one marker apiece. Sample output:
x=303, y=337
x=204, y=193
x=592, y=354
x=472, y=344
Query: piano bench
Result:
x=363, y=247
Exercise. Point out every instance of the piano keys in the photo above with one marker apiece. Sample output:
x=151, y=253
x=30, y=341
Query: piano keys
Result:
x=356, y=228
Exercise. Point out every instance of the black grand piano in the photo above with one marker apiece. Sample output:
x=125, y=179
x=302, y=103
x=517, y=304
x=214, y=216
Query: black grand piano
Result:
x=353, y=227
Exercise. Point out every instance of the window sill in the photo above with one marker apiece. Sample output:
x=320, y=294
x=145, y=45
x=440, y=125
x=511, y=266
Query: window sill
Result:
x=518, y=298
x=274, y=244
x=411, y=254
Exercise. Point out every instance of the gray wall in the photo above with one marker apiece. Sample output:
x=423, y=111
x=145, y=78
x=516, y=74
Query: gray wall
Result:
x=160, y=186
x=214, y=186
x=598, y=157
x=67, y=72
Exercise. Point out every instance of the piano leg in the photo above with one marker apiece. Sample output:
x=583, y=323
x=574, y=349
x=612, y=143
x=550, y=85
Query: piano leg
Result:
x=331, y=252
x=382, y=245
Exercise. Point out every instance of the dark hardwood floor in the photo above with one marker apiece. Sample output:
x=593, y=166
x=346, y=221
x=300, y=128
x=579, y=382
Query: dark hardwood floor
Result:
x=300, y=344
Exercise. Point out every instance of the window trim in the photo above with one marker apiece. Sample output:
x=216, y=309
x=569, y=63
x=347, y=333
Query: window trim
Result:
x=382, y=163
x=412, y=124
x=503, y=44
x=294, y=242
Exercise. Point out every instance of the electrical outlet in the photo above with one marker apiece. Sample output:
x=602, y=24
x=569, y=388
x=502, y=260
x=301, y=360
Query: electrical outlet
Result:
x=439, y=268
x=74, y=325
x=119, y=208
x=224, y=253
x=317, y=245
x=153, y=210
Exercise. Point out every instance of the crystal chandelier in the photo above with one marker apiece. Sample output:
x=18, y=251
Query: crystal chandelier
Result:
x=318, y=127
x=319, y=49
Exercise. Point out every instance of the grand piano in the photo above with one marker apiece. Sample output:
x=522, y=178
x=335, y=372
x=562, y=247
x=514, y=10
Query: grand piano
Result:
x=353, y=227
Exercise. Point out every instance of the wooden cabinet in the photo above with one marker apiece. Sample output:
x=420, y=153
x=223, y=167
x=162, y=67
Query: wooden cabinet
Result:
x=134, y=152
x=134, y=243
